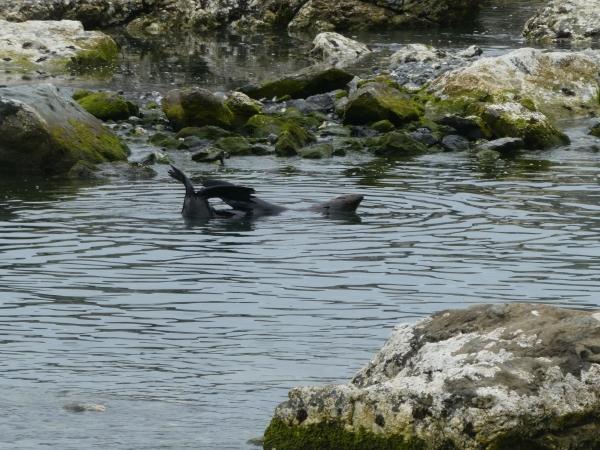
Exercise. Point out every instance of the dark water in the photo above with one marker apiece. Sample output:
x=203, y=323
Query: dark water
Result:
x=191, y=335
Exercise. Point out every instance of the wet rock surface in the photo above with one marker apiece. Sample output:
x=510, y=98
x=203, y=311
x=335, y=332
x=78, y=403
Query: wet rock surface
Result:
x=44, y=131
x=336, y=49
x=490, y=376
x=565, y=20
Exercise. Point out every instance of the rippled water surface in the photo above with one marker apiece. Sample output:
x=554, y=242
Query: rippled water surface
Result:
x=191, y=334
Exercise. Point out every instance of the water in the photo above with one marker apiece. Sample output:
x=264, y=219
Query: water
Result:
x=191, y=335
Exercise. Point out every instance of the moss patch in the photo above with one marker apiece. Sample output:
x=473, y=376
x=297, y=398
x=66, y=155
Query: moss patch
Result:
x=292, y=138
x=196, y=108
x=396, y=144
x=106, y=105
x=332, y=436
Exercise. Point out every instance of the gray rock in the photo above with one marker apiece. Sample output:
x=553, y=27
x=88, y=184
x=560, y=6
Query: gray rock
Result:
x=42, y=130
x=337, y=50
x=416, y=53
x=424, y=136
x=470, y=52
x=455, y=143
x=503, y=146
x=565, y=19
x=524, y=374
x=469, y=126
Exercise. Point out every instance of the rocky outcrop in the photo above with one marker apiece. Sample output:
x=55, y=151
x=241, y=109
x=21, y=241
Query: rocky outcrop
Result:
x=565, y=19
x=557, y=84
x=337, y=50
x=42, y=131
x=92, y=13
x=312, y=81
x=40, y=48
x=488, y=377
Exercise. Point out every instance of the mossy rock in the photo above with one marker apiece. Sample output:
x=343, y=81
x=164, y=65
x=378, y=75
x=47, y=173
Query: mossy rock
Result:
x=211, y=154
x=98, y=58
x=316, y=151
x=375, y=102
x=263, y=125
x=43, y=131
x=396, y=144
x=242, y=107
x=595, y=131
x=291, y=139
x=383, y=126
x=196, y=107
x=514, y=120
x=333, y=436
x=301, y=85
x=164, y=140
x=106, y=105
x=209, y=132
x=235, y=145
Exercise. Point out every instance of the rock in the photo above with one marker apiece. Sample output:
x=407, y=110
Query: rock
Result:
x=530, y=76
x=323, y=103
x=316, y=151
x=396, y=144
x=376, y=101
x=106, y=105
x=156, y=158
x=235, y=145
x=503, y=146
x=455, y=143
x=595, y=130
x=210, y=155
x=209, y=132
x=92, y=13
x=416, y=53
x=309, y=82
x=324, y=15
x=383, y=126
x=164, y=140
x=291, y=139
x=337, y=50
x=469, y=126
x=55, y=47
x=514, y=120
x=565, y=19
x=489, y=377
x=488, y=156
x=43, y=131
x=83, y=407
x=196, y=107
x=424, y=136
x=242, y=107
x=470, y=52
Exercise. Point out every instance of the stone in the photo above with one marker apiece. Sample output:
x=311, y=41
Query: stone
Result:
x=209, y=132
x=106, y=105
x=396, y=144
x=514, y=120
x=164, y=140
x=470, y=52
x=312, y=81
x=337, y=50
x=455, y=143
x=469, y=126
x=316, y=151
x=377, y=101
x=44, y=131
x=56, y=48
x=595, y=130
x=504, y=146
x=416, y=53
x=235, y=145
x=291, y=139
x=533, y=77
x=242, y=107
x=196, y=107
x=210, y=155
x=520, y=376
x=424, y=136
x=383, y=126
x=565, y=19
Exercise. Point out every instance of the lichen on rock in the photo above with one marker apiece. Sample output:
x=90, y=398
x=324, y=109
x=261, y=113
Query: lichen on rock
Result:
x=488, y=377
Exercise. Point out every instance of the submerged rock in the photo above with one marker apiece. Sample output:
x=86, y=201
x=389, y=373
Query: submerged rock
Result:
x=317, y=151
x=503, y=146
x=416, y=53
x=312, y=81
x=565, y=19
x=337, y=50
x=43, y=131
x=106, y=105
x=558, y=84
x=489, y=377
x=595, y=130
x=40, y=48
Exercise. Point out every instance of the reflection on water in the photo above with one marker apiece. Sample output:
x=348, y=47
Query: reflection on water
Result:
x=109, y=298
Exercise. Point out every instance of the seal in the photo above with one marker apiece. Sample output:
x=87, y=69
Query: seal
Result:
x=244, y=203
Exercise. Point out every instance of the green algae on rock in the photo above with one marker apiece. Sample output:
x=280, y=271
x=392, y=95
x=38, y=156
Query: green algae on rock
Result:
x=595, y=131
x=106, y=105
x=196, y=107
x=164, y=140
x=209, y=132
x=312, y=81
x=490, y=377
x=396, y=144
x=375, y=101
x=242, y=107
x=61, y=47
x=235, y=145
x=291, y=139
x=42, y=131
x=316, y=151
